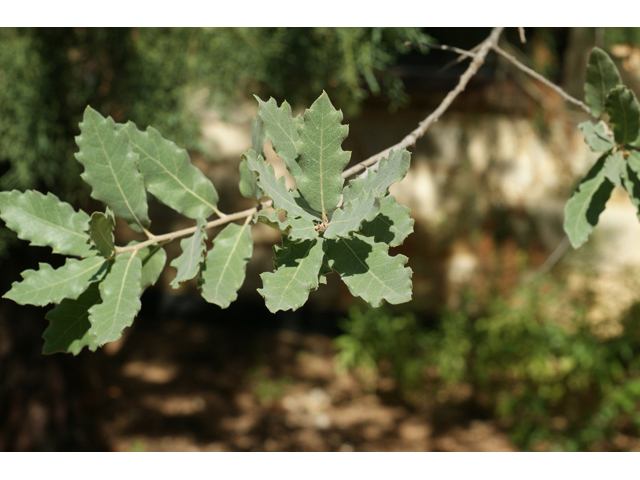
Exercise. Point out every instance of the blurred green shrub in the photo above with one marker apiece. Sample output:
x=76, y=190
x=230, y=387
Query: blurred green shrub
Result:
x=161, y=77
x=549, y=379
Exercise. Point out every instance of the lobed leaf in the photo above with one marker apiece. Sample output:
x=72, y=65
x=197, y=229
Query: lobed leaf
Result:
x=297, y=272
x=321, y=158
x=154, y=258
x=390, y=170
x=631, y=179
x=349, y=218
x=193, y=249
x=369, y=271
x=45, y=221
x=583, y=209
x=258, y=136
x=100, y=232
x=46, y=285
x=615, y=167
x=624, y=114
x=276, y=189
x=248, y=178
x=596, y=137
x=169, y=174
x=111, y=168
x=601, y=76
x=224, y=270
x=120, y=292
x=69, y=328
x=295, y=228
x=281, y=128
x=391, y=225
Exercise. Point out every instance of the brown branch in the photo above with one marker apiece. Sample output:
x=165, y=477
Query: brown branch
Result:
x=523, y=39
x=540, y=78
x=411, y=139
x=463, y=53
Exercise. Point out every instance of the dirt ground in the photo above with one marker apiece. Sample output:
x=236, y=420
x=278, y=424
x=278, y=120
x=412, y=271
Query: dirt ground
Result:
x=228, y=384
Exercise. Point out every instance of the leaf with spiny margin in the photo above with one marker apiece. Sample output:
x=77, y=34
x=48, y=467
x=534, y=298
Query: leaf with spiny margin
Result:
x=615, y=167
x=392, y=225
x=154, y=258
x=46, y=285
x=295, y=228
x=69, y=328
x=624, y=114
x=321, y=158
x=587, y=203
x=120, y=292
x=297, y=272
x=631, y=179
x=391, y=169
x=369, y=271
x=100, y=232
x=45, y=221
x=349, y=218
x=111, y=168
x=276, y=189
x=224, y=270
x=169, y=174
x=601, y=76
x=258, y=136
x=193, y=249
x=281, y=128
x=596, y=137
x=248, y=178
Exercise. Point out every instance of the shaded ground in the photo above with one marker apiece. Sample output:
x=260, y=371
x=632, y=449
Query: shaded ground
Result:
x=232, y=384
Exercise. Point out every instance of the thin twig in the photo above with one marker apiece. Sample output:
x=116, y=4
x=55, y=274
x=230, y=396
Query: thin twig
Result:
x=458, y=60
x=464, y=53
x=411, y=139
x=523, y=39
x=540, y=78
x=187, y=231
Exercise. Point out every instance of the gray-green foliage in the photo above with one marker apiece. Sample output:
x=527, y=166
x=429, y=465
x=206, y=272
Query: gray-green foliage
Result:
x=325, y=227
x=617, y=135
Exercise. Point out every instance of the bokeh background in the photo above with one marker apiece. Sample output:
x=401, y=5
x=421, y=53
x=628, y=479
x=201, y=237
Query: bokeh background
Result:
x=513, y=340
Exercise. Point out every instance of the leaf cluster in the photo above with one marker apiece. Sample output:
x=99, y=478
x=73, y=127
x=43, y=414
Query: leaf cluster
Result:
x=617, y=136
x=326, y=226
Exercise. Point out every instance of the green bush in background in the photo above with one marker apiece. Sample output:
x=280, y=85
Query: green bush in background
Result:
x=550, y=380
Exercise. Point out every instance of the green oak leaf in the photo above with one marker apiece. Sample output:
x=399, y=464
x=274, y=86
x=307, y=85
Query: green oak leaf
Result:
x=295, y=228
x=46, y=285
x=281, y=129
x=193, y=249
x=297, y=272
x=276, y=189
x=390, y=170
x=169, y=174
x=258, y=136
x=321, y=158
x=111, y=168
x=369, y=271
x=596, y=137
x=100, y=232
x=391, y=225
x=154, y=258
x=624, y=114
x=249, y=179
x=350, y=216
x=69, y=328
x=587, y=203
x=601, y=76
x=224, y=270
x=120, y=292
x=631, y=179
x=45, y=221
x=615, y=167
